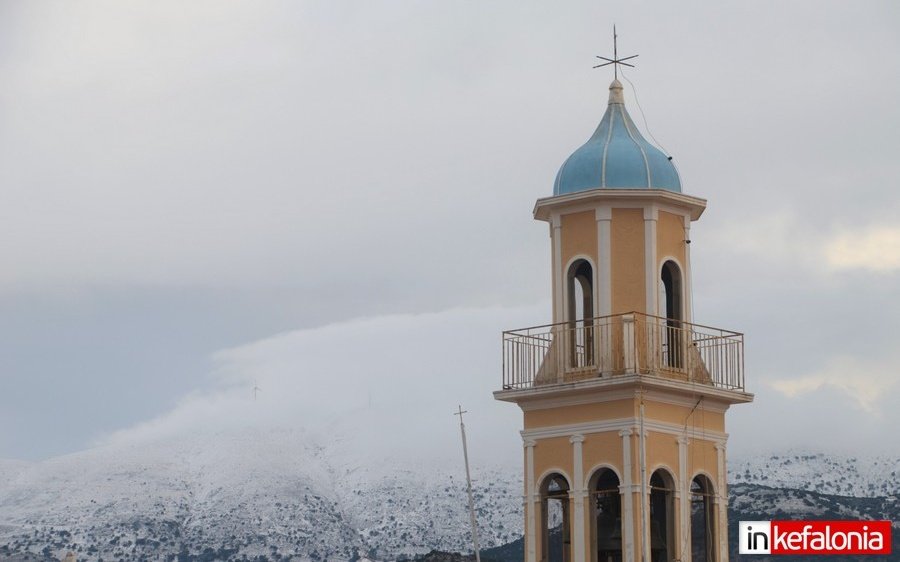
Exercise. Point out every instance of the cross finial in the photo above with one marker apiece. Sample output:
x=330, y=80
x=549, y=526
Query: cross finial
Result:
x=615, y=61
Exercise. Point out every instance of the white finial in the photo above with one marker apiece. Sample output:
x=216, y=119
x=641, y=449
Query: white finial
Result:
x=615, y=93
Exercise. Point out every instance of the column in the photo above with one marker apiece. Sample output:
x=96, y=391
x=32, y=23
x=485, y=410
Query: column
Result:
x=721, y=505
x=684, y=505
x=559, y=305
x=688, y=292
x=604, y=260
x=627, y=490
x=603, y=337
x=531, y=503
x=576, y=496
x=651, y=215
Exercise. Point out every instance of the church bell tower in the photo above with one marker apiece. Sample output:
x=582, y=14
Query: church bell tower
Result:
x=623, y=395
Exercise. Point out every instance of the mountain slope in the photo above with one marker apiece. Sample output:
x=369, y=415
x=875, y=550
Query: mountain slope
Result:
x=249, y=493
x=338, y=494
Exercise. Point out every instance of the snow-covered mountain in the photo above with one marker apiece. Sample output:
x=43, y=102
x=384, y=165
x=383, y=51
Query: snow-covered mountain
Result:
x=843, y=475
x=283, y=493
x=252, y=493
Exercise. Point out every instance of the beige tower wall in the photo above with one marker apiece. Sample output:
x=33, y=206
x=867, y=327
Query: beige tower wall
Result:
x=670, y=238
x=683, y=439
x=627, y=261
x=579, y=236
x=579, y=413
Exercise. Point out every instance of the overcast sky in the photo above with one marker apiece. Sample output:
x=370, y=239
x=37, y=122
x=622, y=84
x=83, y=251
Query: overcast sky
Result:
x=184, y=181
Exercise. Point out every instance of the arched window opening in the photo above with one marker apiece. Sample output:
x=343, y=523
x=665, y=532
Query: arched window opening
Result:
x=606, y=527
x=703, y=529
x=555, y=527
x=671, y=307
x=662, y=517
x=580, y=314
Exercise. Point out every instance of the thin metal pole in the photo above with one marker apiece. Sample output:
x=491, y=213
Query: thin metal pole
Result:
x=615, y=52
x=462, y=430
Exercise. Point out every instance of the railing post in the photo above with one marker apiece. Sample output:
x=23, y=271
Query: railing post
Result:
x=628, y=343
x=562, y=351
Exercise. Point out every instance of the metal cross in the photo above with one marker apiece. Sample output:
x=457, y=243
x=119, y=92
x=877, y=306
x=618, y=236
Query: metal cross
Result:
x=615, y=61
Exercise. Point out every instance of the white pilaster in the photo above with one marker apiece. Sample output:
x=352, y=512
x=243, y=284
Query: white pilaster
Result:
x=721, y=505
x=604, y=260
x=688, y=288
x=559, y=311
x=577, y=496
x=627, y=493
x=645, y=494
x=628, y=344
x=684, y=487
x=651, y=215
x=531, y=503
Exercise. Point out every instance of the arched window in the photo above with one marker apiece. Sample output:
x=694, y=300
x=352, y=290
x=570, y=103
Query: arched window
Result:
x=703, y=528
x=662, y=517
x=606, y=520
x=580, y=313
x=555, y=527
x=671, y=304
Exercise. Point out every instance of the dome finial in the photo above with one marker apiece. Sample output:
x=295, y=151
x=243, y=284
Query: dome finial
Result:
x=615, y=61
x=615, y=93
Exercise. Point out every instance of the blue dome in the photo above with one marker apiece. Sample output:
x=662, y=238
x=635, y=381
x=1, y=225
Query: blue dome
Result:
x=616, y=157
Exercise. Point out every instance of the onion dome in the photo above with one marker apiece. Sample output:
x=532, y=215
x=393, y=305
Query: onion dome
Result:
x=616, y=157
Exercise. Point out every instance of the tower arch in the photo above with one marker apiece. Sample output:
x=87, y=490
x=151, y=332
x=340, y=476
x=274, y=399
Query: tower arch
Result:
x=661, y=511
x=703, y=519
x=555, y=529
x=605, y=496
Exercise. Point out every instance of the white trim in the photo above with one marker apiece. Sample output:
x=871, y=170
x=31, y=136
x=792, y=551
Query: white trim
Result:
x=628, y=493
x=577, y=495
x=567, y=296
x=712, y=480
x=539, y=482
x=590, y=473
x=667, y=468
x=603, y=216
x=558, y=310
x=530, y=512
x=658, y=396
x=686, y=273
x=722, y=504
x=599, y=384
x=635, y=203
x=684, y=545
x=693, y=206
x=623, y=423
x=651, y=284
x=661, y=261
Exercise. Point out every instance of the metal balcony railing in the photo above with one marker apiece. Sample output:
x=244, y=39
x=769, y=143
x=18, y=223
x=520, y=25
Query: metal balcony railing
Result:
x=632, y=343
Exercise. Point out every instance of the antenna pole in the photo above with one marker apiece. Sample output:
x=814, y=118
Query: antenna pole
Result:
x=462, y=431
x=615, y=52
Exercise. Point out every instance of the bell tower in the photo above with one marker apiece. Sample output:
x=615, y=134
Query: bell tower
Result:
x=623, y=395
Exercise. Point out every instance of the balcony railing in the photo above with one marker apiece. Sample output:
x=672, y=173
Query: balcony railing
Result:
x=622, y=344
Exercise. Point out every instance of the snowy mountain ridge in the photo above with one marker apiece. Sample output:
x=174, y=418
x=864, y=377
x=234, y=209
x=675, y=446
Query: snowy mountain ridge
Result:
x=251, y=491
x=276, y=494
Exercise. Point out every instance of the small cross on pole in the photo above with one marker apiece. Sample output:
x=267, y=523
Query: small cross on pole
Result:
x=615, y=61
x=462, y=430
x=256, y=389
